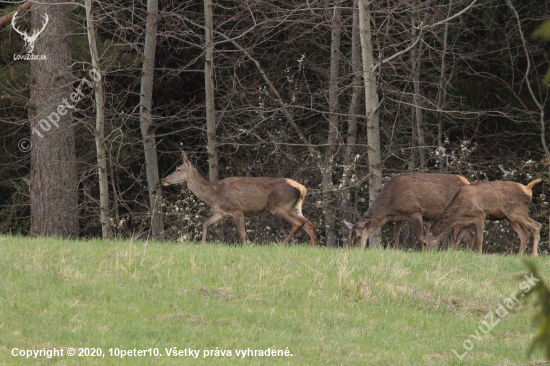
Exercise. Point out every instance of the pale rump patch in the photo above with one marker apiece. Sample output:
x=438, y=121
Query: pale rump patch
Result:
x=301, y=188
x=526, y=190
x=531, y=184
x=466, y=181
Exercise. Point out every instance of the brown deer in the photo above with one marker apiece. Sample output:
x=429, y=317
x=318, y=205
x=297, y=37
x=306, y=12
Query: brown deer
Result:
x=415, y=197
x=497, y=200
x=238, y=197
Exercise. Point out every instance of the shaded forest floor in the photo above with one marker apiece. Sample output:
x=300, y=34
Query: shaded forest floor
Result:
x=329, y=307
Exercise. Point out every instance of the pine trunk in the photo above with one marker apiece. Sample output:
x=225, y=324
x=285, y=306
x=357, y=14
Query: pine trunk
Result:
x=209, y=91
x=348, y=211
x=146, y=121
x=54, y=179
x=333, y=121
x=371, y=109
x=104, y=205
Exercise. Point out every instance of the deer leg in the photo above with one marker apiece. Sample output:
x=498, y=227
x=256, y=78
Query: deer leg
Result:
x=458, y=237
x=454, y=234
x=534, y=227
x=536, y=236
x=523, y=236
x=239, y=220
x=295, y=220
x=416, y=220
x=471, y=238
x=216, y=218
x=396, y=231
x=309, y=228
x=480, y=228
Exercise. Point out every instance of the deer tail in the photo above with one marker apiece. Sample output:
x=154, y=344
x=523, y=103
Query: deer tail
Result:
x=530, y=185
x=303, y=192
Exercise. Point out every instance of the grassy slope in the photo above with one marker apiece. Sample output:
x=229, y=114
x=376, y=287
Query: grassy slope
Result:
x=330, y=307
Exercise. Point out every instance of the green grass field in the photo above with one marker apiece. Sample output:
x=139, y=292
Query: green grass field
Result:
x=328, y=307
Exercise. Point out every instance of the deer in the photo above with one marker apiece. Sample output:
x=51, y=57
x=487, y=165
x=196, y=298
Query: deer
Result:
x=417, y=197
x=496, y=200
x=238, y=197
x=29, y=40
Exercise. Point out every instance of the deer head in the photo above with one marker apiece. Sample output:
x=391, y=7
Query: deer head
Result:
x=29, y=40
x=360, y=232
x=181, y=174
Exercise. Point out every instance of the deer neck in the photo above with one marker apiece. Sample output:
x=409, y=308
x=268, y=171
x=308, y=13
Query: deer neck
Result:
x=375, y=212
x=205, y=190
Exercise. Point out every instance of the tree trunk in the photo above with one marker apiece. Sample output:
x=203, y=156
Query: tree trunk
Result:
x=333, y=121
x=349, y=158
x=371, y=109
x=546, y=152
x=416, y=66
x=209, y=90
x=54, y=179
x=414, y=141
x=539, y=103
x=442, y=92
x=99, y=128
x=146, y=121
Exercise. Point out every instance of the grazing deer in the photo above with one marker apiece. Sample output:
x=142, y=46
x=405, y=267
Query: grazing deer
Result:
x=238, y=197
x=415, y=197
x=497, y=200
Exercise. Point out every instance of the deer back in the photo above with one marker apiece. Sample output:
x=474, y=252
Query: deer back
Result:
x=256, y=195
x=409, y=193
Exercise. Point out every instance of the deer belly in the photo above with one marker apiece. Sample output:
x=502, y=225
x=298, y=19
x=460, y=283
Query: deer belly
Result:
x=264, y=212
x=248, y=205
x=494, y=215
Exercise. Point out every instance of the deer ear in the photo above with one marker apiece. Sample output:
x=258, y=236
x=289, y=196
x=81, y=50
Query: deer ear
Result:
x=348, y=224
x=185, y=160
x=362, y=225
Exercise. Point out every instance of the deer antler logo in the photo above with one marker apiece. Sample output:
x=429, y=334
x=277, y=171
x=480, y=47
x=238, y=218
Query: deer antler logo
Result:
x=29, y=40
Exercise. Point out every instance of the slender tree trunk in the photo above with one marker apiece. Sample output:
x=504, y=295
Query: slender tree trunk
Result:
x=442, y=92
x=349, y=159
x=546, y=151
x=416, y=66
x=54, y=179
x=541, y=105
x=414, y=141
x=274, y=93
x=371, y=106
x=209, y=90
x=333, y=121
x=113, y=184
x=146, y=121
x=99, y=128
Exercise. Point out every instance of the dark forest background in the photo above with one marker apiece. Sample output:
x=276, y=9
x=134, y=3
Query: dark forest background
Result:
x=457, y=101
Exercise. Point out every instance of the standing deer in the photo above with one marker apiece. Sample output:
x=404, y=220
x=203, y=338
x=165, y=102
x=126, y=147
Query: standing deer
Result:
x=29, y=40
x=241, y=196
x=497, y=200
x=415, y=197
